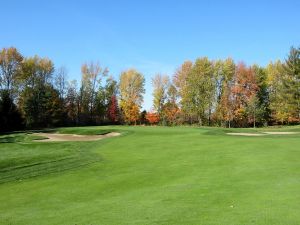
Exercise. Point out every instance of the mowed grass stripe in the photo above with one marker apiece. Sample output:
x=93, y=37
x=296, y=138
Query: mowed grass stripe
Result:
x=48, y=167
x=22, y=160
x=159, y=176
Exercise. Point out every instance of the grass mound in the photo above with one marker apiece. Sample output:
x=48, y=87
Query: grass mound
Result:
x=84, y=131
x=20, y=158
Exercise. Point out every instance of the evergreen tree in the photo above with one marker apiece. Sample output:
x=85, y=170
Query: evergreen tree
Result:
x=10, y=117
x=263, y=112
x=292, y=69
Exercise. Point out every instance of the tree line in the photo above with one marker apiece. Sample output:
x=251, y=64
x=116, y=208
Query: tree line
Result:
x=35, y=94
x=223, y=93
x=229, y=94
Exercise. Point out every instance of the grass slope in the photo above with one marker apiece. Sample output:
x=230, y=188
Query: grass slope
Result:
x=152, y=175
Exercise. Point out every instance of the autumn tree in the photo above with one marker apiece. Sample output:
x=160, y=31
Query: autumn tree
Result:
x=10, y=67
x=206, y=92
x=224, y=72
x=152, y=117
x=131, y=92
x=111, y=101
x=244, y=88
x=180, y=82
x=160, y=85
x=280, y=106
x=131, y=112
x=113, y=110
x=36, y=72
x=171, y=109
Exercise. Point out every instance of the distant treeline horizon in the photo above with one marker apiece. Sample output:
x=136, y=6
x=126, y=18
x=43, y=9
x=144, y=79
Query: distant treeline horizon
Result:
x=33, y=94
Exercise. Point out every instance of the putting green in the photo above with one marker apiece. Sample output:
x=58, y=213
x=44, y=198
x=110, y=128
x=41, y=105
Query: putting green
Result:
x=152, y=175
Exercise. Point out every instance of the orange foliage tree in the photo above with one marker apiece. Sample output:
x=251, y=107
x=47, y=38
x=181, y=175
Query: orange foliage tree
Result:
x=152, y=117
x=243, y=90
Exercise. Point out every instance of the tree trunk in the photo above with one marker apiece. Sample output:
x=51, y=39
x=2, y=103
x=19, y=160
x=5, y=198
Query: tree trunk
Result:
x=209, y=114
x=298, y=111
x=254, y=118
x=199, y=121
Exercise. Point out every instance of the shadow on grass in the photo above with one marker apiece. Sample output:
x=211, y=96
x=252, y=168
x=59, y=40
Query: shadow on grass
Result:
x=8, y=139
x=18, y=138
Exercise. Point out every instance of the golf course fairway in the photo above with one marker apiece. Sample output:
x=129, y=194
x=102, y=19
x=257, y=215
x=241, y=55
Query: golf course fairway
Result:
x=152, y=176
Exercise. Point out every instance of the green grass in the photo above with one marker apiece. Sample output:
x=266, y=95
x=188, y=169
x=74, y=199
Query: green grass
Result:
x=85, y=130
x=152, y=175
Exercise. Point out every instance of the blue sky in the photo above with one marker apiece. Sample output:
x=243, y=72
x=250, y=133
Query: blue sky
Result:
x=152, y=36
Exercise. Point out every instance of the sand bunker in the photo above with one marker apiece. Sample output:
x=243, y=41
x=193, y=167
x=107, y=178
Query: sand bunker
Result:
x=246, y=134
x=281, y=132
x=73, y=137
x=261, y=134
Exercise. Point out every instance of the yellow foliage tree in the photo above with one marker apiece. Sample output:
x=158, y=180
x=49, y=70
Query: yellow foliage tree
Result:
x=131, y=91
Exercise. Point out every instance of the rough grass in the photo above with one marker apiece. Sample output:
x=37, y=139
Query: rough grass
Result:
x=153, y=175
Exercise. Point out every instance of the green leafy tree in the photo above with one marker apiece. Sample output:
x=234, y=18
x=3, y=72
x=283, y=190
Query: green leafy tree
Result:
x=92, y=75
x=39, y=101
x=279, y=96
x=292, y=69
x=71, y=103
x=42, y=107
x=254, y=110
x=200, y=90
x=263, y=100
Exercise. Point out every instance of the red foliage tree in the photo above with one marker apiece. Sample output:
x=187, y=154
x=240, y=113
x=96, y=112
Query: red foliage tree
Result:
x=243, y=90
x=153, y=118
x=113, y=110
